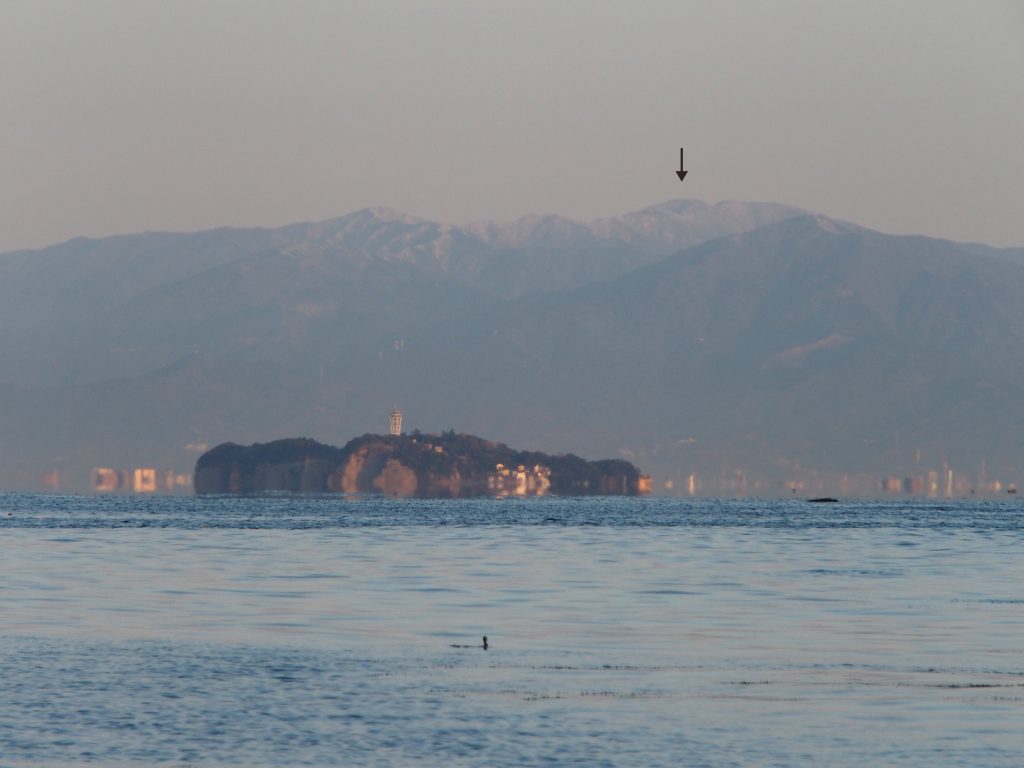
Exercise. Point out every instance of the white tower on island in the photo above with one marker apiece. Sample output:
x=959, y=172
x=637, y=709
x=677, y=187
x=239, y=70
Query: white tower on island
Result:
x=396, y=422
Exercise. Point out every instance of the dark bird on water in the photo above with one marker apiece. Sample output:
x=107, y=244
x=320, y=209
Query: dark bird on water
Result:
x=485, y=646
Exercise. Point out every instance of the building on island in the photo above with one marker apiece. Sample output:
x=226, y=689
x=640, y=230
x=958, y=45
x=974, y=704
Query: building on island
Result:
x=519, y=481
x=396, y=422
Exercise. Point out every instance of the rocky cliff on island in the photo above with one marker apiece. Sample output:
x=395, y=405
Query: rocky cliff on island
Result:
x=431, y=466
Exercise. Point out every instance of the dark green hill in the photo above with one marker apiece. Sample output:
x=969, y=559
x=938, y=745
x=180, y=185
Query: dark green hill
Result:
x=446, y=465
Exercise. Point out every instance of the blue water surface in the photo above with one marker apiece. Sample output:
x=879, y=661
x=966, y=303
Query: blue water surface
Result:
x=325, y=631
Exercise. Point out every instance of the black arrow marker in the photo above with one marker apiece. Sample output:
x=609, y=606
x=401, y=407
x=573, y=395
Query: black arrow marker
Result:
x=681, y=173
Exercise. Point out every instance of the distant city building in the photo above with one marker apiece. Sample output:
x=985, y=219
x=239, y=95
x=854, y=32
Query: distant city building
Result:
x=51, y=479
x=144, y=480
x=107, y=480
x=137, y=480
x=396, y=422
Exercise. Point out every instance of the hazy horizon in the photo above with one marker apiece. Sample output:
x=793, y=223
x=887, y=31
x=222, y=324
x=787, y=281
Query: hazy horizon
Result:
x=140, y=116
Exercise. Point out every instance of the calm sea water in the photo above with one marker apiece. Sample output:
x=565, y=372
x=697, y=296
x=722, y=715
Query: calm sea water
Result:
x=623, y=632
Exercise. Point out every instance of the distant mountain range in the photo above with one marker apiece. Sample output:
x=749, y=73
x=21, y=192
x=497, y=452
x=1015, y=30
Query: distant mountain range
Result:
x=751, y=345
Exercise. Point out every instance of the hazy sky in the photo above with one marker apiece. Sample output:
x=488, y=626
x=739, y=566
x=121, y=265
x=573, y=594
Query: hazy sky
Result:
x=125, y=115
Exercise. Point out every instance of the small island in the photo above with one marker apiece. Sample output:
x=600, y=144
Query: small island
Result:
x=448, y=465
